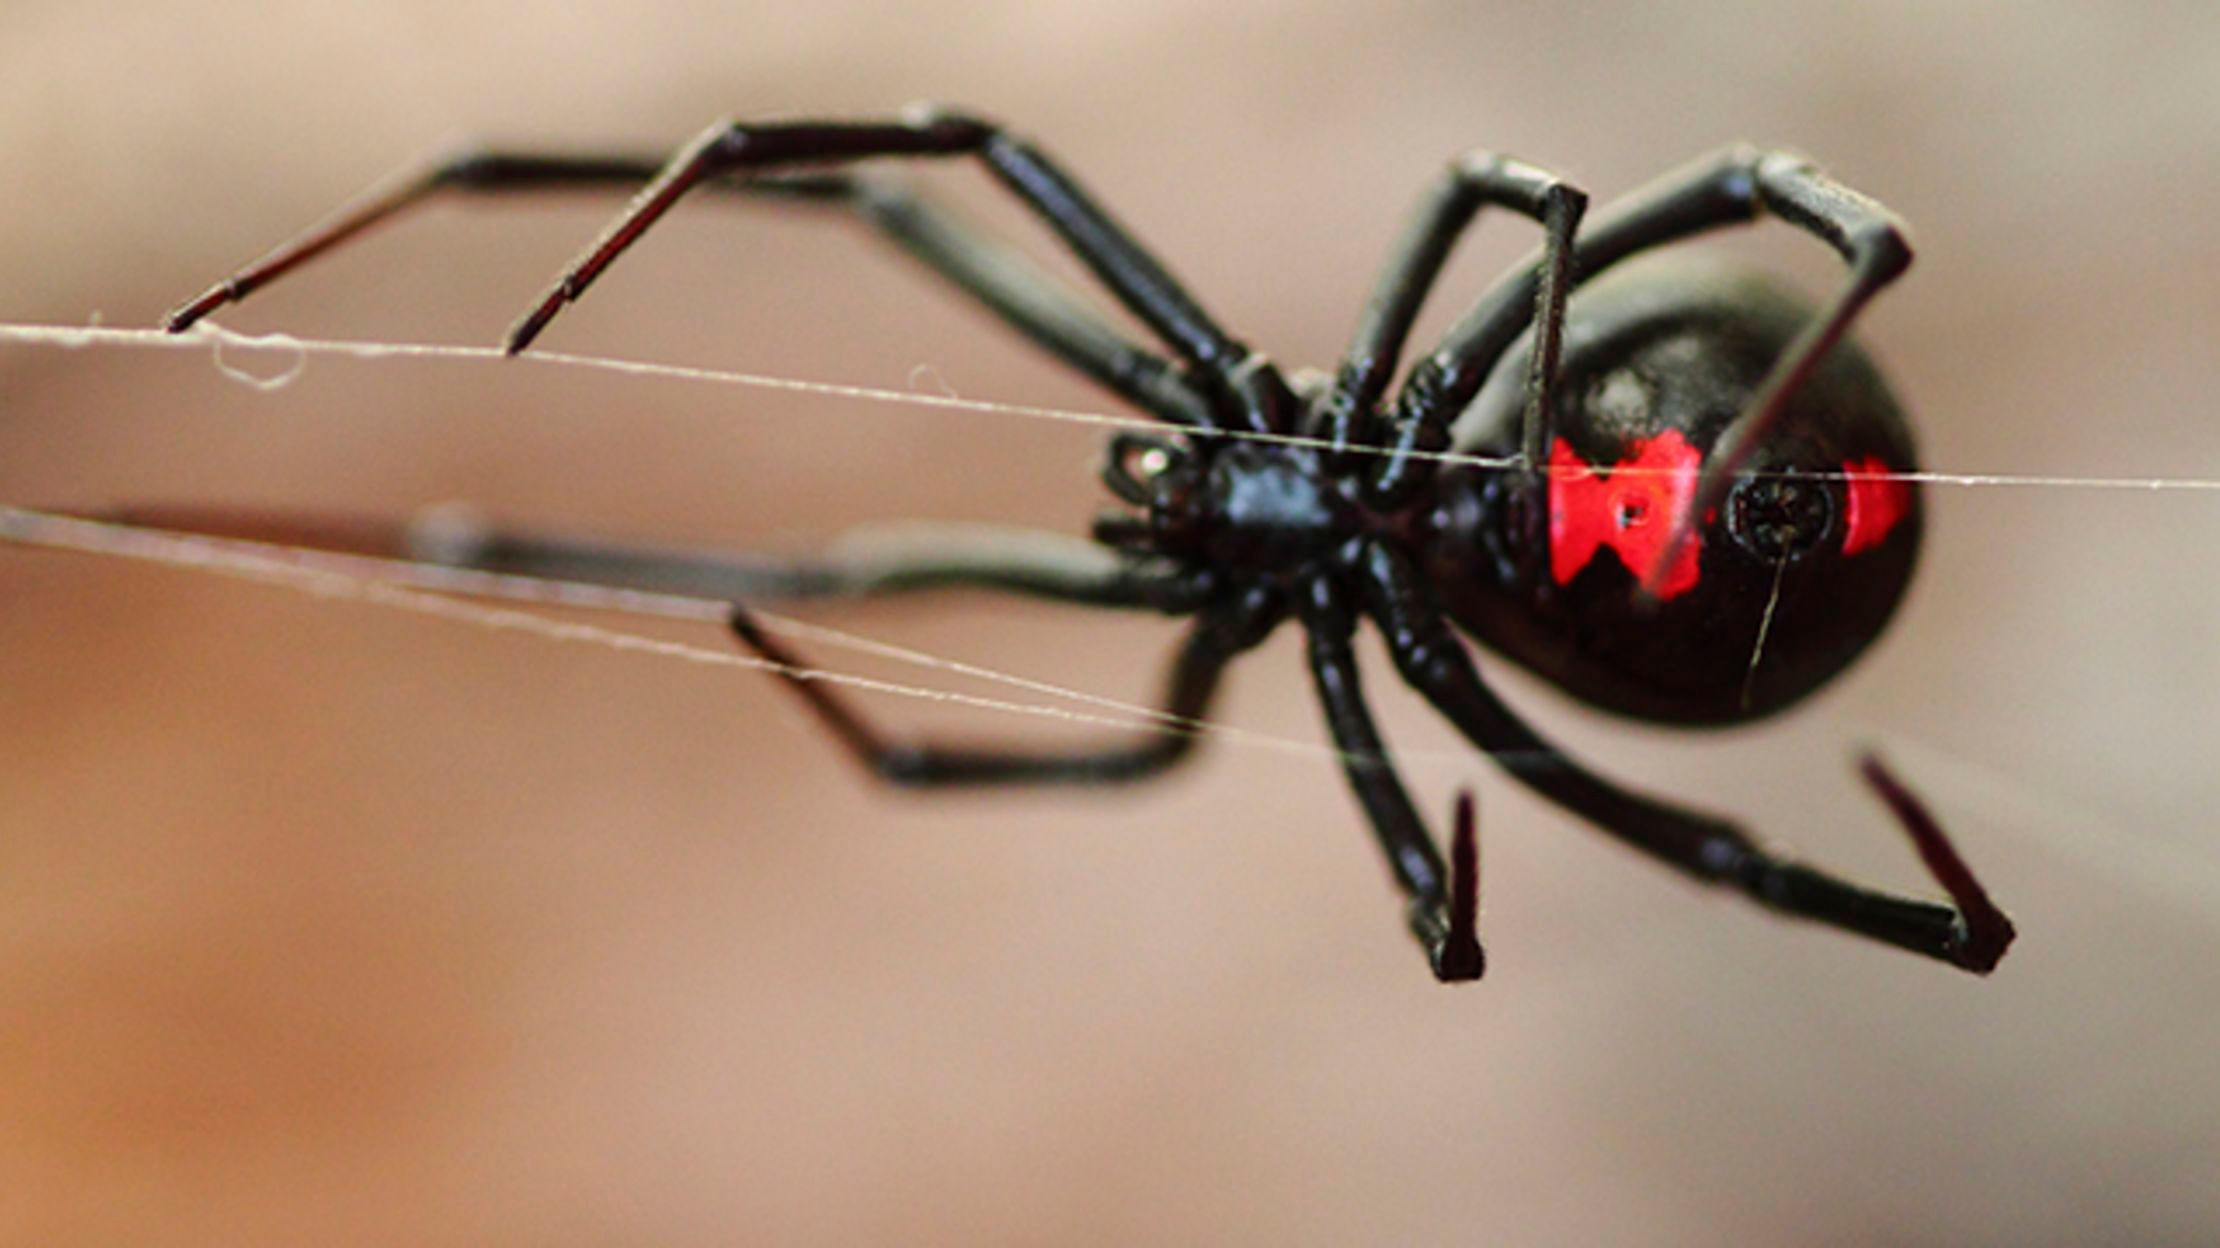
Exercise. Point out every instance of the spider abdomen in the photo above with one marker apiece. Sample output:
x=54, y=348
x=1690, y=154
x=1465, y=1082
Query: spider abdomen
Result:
x=1781, y=586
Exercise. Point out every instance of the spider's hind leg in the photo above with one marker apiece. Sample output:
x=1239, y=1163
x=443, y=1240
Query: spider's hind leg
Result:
x=1734, y=186
x=1971, y=933
x=1473, y=180
x=1193, y=679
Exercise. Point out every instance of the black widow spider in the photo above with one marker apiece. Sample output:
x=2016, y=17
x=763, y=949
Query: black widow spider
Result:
x=1689, y=470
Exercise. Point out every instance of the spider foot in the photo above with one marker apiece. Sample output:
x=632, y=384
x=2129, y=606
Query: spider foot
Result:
x=229, y=290
x=1457, y=956
x=531, y=323
x=1982, y=932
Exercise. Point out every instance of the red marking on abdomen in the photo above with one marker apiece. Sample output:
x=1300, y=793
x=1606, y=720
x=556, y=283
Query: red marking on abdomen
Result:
x=1631, y=512
x=1879, y=500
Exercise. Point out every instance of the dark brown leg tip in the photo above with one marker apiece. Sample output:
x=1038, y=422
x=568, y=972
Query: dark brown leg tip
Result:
x=211, y=299
x=1985, y=933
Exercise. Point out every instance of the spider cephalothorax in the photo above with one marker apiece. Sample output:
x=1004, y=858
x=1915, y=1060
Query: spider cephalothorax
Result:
x=1685, y=501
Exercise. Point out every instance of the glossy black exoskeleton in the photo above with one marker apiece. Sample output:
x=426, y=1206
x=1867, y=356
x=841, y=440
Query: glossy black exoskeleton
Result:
x=1795, y=553
x=1693, y=509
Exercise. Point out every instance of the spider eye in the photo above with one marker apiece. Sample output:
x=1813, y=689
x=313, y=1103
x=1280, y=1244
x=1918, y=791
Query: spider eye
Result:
x=1137, y=460
x=1780, y=516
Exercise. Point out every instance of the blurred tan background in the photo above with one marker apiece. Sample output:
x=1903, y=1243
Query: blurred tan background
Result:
x=321, y=922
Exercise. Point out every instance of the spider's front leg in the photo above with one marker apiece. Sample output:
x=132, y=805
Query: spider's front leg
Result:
x=1019, y=292
x=1251, y=393
x=1444, y=900
x=1972, y=934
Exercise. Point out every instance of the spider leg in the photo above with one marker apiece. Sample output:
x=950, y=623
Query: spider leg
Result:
x=1255, y=393
x=1444, y=903
x=1871, y=241
x=466, y=168
x=1972, y=933
x=1447, y=209
x=1015, y=289
x=1023, y=295
x=1211, y=644
x=898, y=559
x=1733, y=186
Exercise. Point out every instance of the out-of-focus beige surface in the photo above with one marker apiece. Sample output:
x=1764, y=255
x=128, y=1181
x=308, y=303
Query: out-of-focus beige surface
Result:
x=321, y=922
